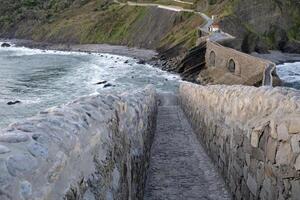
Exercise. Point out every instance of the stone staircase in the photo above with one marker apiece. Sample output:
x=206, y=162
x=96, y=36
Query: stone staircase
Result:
x=179, y=167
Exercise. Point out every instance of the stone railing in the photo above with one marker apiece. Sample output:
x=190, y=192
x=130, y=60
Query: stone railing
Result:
x=96, y=147
x=252, y=134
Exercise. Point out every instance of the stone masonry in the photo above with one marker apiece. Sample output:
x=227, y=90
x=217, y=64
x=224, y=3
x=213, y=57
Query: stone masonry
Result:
x=248, y=70
x=252, y=135
x=96, y=147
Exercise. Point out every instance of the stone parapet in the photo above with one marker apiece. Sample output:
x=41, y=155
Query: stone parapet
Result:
x=252, y=134
x=96, y=147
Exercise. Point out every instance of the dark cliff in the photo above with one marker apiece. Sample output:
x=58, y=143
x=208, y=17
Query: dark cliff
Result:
x=258, y=25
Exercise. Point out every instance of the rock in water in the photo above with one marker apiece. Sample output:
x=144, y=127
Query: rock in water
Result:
x=5, y=44
x=108, y=85
x=100, y=82
x=13, y=102
x=142, y=62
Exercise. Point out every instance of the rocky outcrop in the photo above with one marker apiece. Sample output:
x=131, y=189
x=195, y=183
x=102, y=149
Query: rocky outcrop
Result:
x=259, y=25
x=252, y=135
x=5, y=44
x=96, y=147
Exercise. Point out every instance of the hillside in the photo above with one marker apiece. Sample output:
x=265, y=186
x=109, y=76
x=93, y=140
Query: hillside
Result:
x=258, y=24
x=98, y=21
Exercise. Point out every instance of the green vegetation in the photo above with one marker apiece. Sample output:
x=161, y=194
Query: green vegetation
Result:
x=97, y=21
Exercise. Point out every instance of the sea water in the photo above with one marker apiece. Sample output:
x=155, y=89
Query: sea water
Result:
x=289, y=73
x=41, y=79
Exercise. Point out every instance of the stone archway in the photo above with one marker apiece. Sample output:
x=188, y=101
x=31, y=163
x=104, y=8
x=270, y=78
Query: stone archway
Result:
x=212, y=59
x=231, y=66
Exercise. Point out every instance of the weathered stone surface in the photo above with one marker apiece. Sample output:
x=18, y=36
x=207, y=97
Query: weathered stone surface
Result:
x=283, y=155
x=92, y=148
x=255, y=138
x=294, y=125
x=282, y=131
x=20, y=164
x=25, y=189
x=297, y=163
x=271, y=149
x=13, y=137
x=270, y=144
x=295, y=189
x=295, y=142
x=179, y=167
x=4, y=149
x=252, y=185
x=273, y=132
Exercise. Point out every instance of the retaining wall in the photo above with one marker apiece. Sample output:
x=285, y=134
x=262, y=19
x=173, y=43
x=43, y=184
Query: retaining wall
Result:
x=252, y=134
x=96, y=147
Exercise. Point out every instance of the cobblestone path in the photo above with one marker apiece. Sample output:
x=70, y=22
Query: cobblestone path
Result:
x=179, y=167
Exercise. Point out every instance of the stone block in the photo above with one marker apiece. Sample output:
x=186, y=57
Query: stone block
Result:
x=258, y=154
x=294, y=125
x=283, y=155
x=4, y=149
x=295, y=143
x=295, y=189
x=268, y=191
x=14, y=137
x=255, y=135
x=252, y=184
x=297, y=163
x=271, y=149
x=273, y=132
x=283, y=133
x=21, y=164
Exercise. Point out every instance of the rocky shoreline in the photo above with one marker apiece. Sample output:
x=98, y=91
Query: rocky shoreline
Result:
x=170, y=60
x=142, y=54
x=279, y=57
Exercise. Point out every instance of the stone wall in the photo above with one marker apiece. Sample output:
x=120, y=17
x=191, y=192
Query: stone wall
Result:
x=248, y=70
x=96, y=147
x=252, y=134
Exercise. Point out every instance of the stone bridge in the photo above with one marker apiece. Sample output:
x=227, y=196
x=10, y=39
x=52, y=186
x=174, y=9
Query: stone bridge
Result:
x=206, y=142
x=228, y=66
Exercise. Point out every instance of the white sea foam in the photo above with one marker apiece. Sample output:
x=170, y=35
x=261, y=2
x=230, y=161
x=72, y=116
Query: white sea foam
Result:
x=289, y=72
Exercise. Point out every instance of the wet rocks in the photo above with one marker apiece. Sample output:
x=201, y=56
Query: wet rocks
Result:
x=5, y=44
x=141, y=62
x=13, y=102
x=100, y=82
x=108, y=85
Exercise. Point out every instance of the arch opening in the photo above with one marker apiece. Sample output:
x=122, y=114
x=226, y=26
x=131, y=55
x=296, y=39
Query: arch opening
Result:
x=231, y=66
x=212, y=59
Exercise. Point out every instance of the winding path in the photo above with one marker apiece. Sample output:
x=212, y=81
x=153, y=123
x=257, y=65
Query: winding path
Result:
x=179, y=167
x=212, y=36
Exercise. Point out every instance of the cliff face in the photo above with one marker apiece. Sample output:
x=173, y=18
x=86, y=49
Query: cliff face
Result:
x=97, y=21
x=263, y=24
x=258, y=25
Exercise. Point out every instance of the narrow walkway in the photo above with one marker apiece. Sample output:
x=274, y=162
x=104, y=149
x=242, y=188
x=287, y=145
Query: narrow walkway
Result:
x=179, y=167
